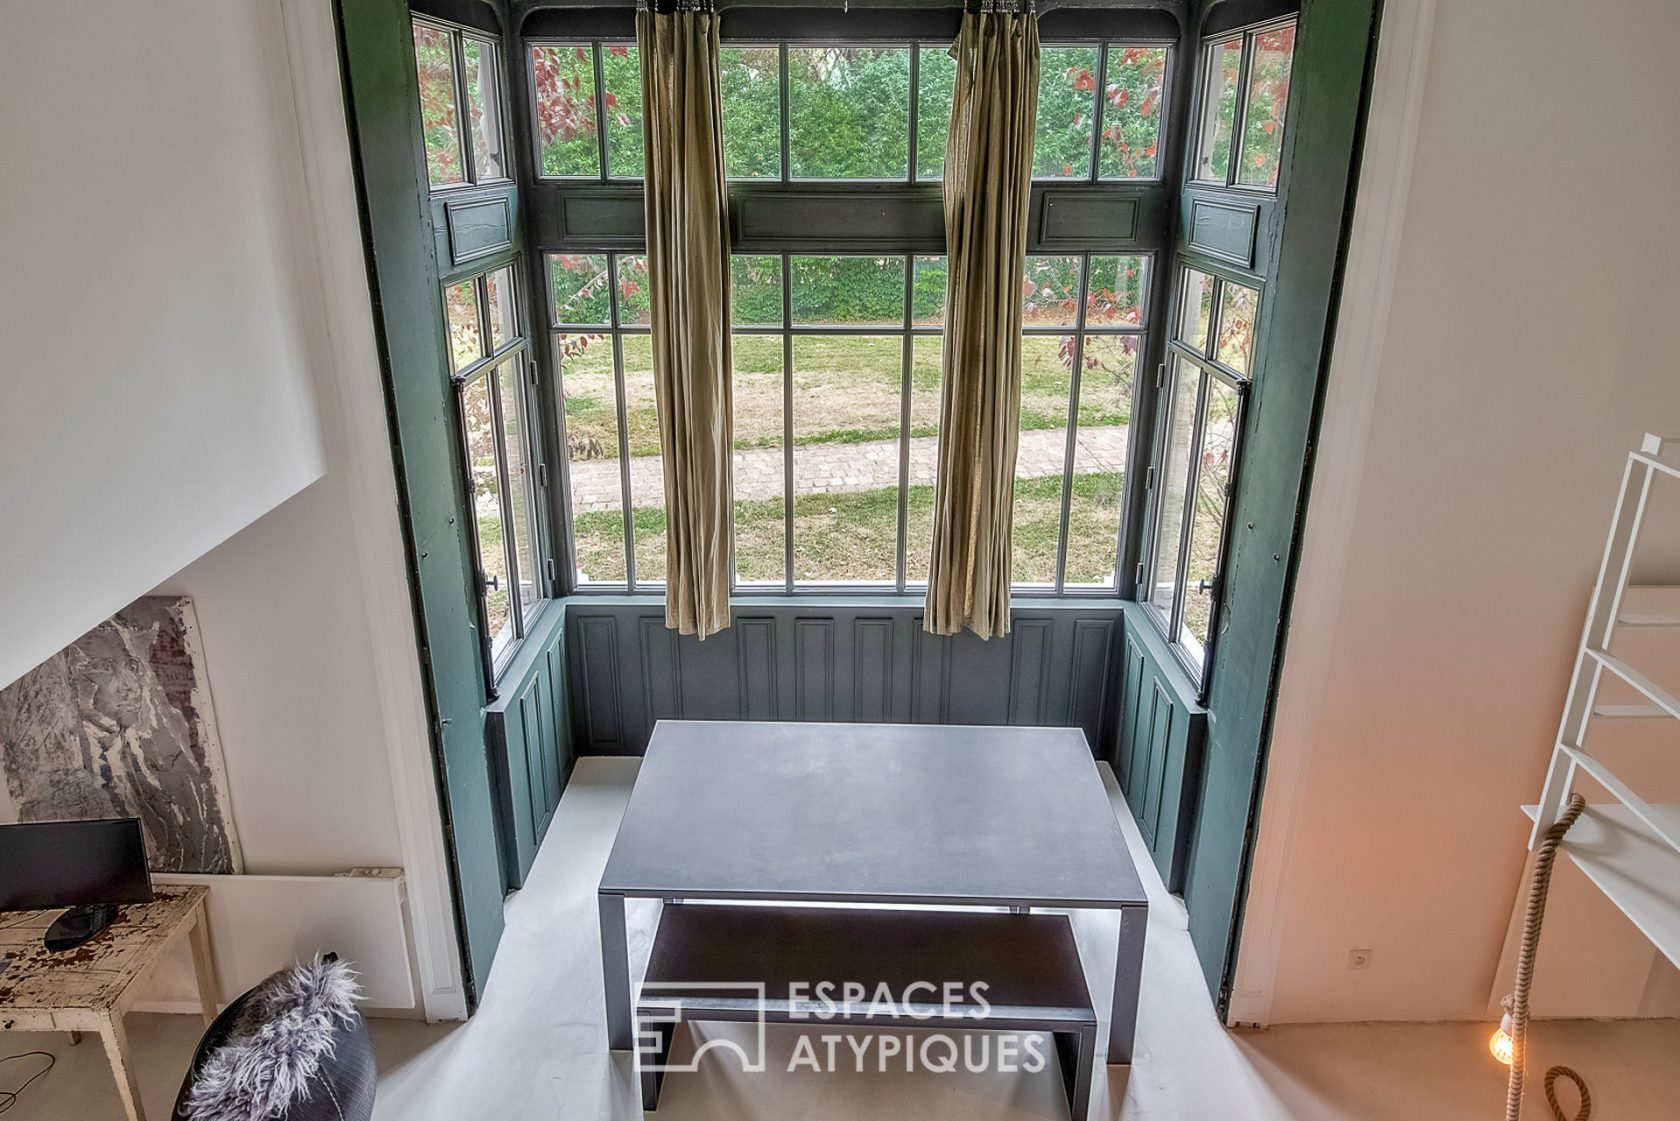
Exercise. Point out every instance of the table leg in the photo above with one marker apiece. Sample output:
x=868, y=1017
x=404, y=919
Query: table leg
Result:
x=116, y=1049
x=204, y=965
x=615, y=970
x=1128, y=980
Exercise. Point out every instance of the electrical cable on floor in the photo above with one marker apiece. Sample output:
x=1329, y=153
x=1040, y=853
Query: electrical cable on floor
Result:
x=1517, y=1002
x=8, y=1098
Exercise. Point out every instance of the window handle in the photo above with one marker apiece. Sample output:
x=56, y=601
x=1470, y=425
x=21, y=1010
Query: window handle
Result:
x=1204, y=586
x=491, y=583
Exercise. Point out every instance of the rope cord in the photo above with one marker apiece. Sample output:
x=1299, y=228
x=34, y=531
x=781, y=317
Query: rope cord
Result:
x=1537, y=888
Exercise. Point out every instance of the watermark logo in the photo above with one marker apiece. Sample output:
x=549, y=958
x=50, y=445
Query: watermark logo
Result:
x=871, y=1012
x=658, y=1016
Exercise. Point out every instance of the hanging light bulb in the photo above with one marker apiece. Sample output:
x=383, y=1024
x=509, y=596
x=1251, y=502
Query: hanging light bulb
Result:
x=1502, y=1045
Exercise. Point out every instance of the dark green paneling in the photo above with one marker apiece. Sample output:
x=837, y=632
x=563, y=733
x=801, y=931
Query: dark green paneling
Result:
x=858, y=660
x=1158, y=754
x=474, y=225
x=773, y=217
x=528, y=728
x=1079, y=220
x=384, y=110
x=1225, y=228
x=1327, y=93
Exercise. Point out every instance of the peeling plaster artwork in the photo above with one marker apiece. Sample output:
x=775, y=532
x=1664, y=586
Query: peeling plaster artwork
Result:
x=119, y=724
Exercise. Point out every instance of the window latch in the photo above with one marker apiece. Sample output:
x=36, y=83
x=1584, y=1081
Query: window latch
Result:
x=542, y=474
x=491, y=583
x=1149, y=479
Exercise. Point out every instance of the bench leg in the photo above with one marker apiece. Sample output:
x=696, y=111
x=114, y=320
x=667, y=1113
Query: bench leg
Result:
x=615, y=970
x=1128, y=979
x=653, y=1066
x=1077, y=1052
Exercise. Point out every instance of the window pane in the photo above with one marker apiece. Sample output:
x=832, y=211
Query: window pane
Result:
x=1067, y=106
x=752, y=112
x=484, y=105
x=1108, y=365
x=621, y=71
x=440, y=116
x=1132, y=112
x=925, y=358
x=1195, y=309
x=521, y=496
x=579, y=288
x=591, y=408
x=1050, y=292
x=760, y=528
x=1265, y=106
x=504, y=321
x=647, y=470
x=1047, y=362
x=927, y=298
x=1117, y=291
x=635, y=298
x=849, y=112
x=1207, y=518
x=1223, y=66
x=1236, y=326
x=846, y=400
x=936, y=78
x=755, y=291
x=1175, y=482
x=466, y=342
x=480, y=431
x=563, y=79
x=847, y=290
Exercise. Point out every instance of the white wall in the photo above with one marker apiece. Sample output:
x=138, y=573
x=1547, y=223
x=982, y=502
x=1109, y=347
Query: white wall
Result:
x=192, y=405
x=154, y=389
x=291, y=670
x=1471, y=452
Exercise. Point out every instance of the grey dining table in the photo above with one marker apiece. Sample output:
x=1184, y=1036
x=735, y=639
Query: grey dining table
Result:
x=907, y=814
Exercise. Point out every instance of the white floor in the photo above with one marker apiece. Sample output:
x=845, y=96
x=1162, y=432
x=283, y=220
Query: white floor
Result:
x=537, y=1047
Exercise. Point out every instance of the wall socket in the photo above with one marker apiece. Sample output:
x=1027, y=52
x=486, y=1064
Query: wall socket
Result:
x=1359, y=959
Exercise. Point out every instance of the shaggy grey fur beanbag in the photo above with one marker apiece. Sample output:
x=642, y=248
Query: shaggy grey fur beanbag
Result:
x=283, y=1034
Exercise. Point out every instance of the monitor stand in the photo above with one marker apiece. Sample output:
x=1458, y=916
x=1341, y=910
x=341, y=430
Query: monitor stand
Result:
x=79, y=924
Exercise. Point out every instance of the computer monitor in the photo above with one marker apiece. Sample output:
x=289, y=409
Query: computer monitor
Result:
x=73, y=863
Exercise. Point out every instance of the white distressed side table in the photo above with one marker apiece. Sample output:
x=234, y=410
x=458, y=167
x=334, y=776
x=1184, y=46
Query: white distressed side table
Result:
x=89, y=988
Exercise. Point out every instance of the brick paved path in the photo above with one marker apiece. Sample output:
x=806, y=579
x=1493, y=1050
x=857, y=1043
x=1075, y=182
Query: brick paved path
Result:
x=837, y=468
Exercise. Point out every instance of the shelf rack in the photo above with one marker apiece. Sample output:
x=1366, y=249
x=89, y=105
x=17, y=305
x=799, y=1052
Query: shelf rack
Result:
x=1629, y=848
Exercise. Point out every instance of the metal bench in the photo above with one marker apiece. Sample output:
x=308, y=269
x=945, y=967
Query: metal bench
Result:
x=708, y=961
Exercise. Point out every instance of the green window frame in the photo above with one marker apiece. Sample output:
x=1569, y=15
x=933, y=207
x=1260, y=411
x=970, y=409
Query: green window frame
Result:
x=595, y=390
x=502, y=469
x=1204, y=387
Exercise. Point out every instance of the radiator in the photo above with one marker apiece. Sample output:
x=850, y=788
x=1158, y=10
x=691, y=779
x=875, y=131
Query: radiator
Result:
x=261, y=923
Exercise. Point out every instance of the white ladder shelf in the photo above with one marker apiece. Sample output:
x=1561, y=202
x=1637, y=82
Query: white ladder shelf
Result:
x=1629, y=848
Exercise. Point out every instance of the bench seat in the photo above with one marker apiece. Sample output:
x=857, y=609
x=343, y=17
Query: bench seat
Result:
x=1028, y=962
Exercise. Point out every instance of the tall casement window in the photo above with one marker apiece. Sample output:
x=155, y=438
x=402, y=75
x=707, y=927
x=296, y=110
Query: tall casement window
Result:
x=492, y=369
x=460, y=105
x=1206, y=377
x=1239, y=117
x=493, y=375
x=838, y=324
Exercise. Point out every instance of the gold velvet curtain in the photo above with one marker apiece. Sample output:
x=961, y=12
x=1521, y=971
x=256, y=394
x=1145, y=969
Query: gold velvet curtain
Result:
x=988, y=177
x=688, y=271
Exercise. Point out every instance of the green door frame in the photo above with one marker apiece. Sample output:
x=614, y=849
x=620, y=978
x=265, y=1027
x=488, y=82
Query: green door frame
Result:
x=383, y=111
x=1299, y=260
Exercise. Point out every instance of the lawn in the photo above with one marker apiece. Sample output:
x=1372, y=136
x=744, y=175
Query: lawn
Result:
x=854, y=536
x=846, y=389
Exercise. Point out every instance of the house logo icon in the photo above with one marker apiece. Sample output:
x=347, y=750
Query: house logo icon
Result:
x=657, y=1017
